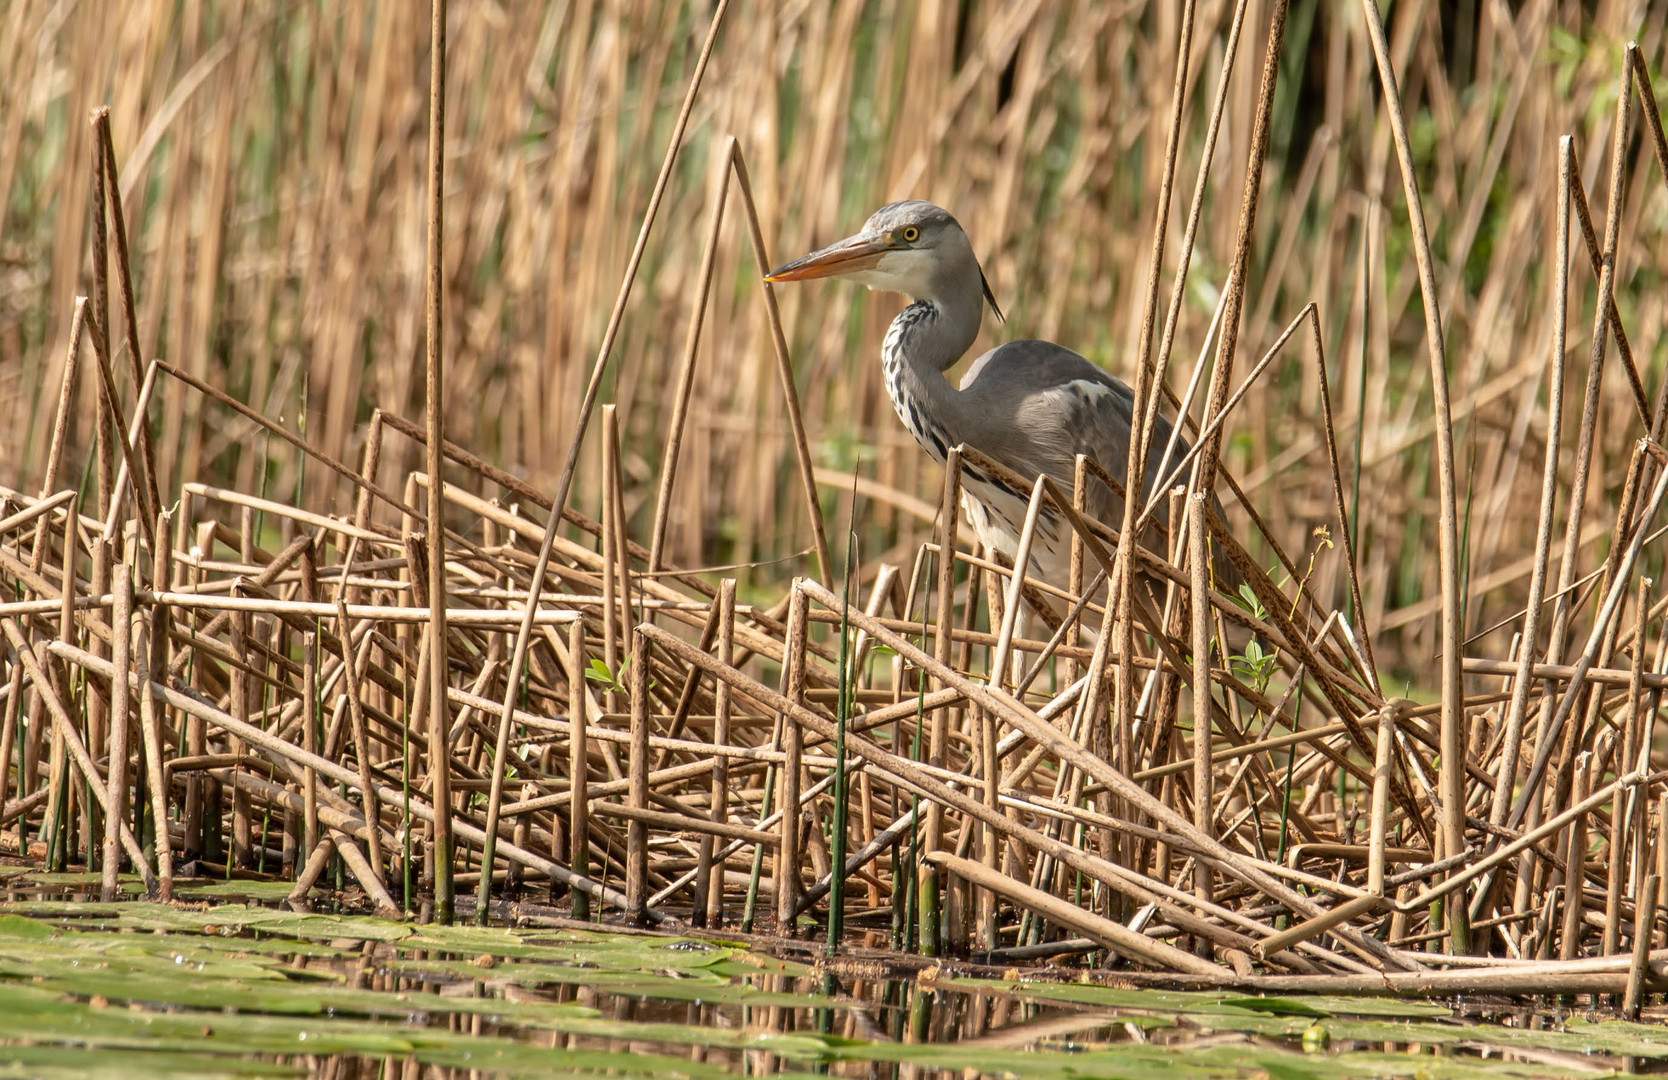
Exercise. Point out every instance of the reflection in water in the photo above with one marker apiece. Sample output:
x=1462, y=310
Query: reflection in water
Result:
x=663, y=1019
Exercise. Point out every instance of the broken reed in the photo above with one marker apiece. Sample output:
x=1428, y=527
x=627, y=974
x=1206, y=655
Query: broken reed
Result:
x=266, y=722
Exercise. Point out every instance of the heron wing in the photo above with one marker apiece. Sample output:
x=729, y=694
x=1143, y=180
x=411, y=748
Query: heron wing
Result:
x=1037, y=405
x=1034, y=406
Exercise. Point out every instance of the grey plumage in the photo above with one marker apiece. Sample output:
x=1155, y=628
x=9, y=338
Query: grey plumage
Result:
x=1031, y=405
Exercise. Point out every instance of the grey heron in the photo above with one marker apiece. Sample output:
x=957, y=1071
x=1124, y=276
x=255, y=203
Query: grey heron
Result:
x=1030, y=405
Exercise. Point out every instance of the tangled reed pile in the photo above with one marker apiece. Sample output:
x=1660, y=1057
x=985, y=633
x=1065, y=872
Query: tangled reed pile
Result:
x=246, y=687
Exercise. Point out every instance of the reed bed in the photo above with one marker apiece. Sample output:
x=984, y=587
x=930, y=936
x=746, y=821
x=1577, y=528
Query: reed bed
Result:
x=1200, y=775
x=273, y=172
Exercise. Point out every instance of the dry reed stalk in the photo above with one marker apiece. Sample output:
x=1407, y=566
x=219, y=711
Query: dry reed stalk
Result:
x=985, y=722
x=784, y=370
x=709, y=889
x=116, y=791
x=1222, y=370
x=1145, y=387
x=1644, y=917
x=928, y=885
x=1655, y=681
x=136, y=429
x=579, y=768
x=361, y=746
x=99, y=326
x=1452, y=778
x=637, y=832
x=1204, y=815
x=242, y=671
x=434, y=382
x=158, y=630
x=1512, y=736
x=1360, y=632
x=1216, y=423
x=686, y=374
x=146, y=495
x=309, y=743
x=270, y=426
x=1624, y=821
x=54, y=460
x=1194, y=215
x=1661, y=837
x=1575, y=860
x=787, y=873
x=111, y=425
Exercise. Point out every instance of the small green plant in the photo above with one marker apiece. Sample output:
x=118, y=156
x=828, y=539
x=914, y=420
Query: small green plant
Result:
x=1248, y=600
x=613, y=682
x=1255, y=666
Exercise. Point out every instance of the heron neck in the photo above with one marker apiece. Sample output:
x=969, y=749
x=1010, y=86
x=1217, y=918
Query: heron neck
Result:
x=925, y=340
x=936, y=332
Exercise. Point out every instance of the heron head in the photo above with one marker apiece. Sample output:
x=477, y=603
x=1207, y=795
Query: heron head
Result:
x=910, y=247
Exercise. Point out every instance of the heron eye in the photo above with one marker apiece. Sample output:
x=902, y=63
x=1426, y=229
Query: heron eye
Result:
x=911, y=234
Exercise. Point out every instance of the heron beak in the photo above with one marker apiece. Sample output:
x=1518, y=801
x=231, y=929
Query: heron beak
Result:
x=848, y=256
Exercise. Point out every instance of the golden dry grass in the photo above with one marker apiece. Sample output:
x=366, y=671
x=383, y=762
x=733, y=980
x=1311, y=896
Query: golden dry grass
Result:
x=273, y=167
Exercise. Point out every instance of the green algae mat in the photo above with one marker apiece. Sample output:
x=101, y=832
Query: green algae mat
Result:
x=140, y=990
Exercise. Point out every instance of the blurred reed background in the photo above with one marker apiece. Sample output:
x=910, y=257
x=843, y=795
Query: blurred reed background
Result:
x=273, y=176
